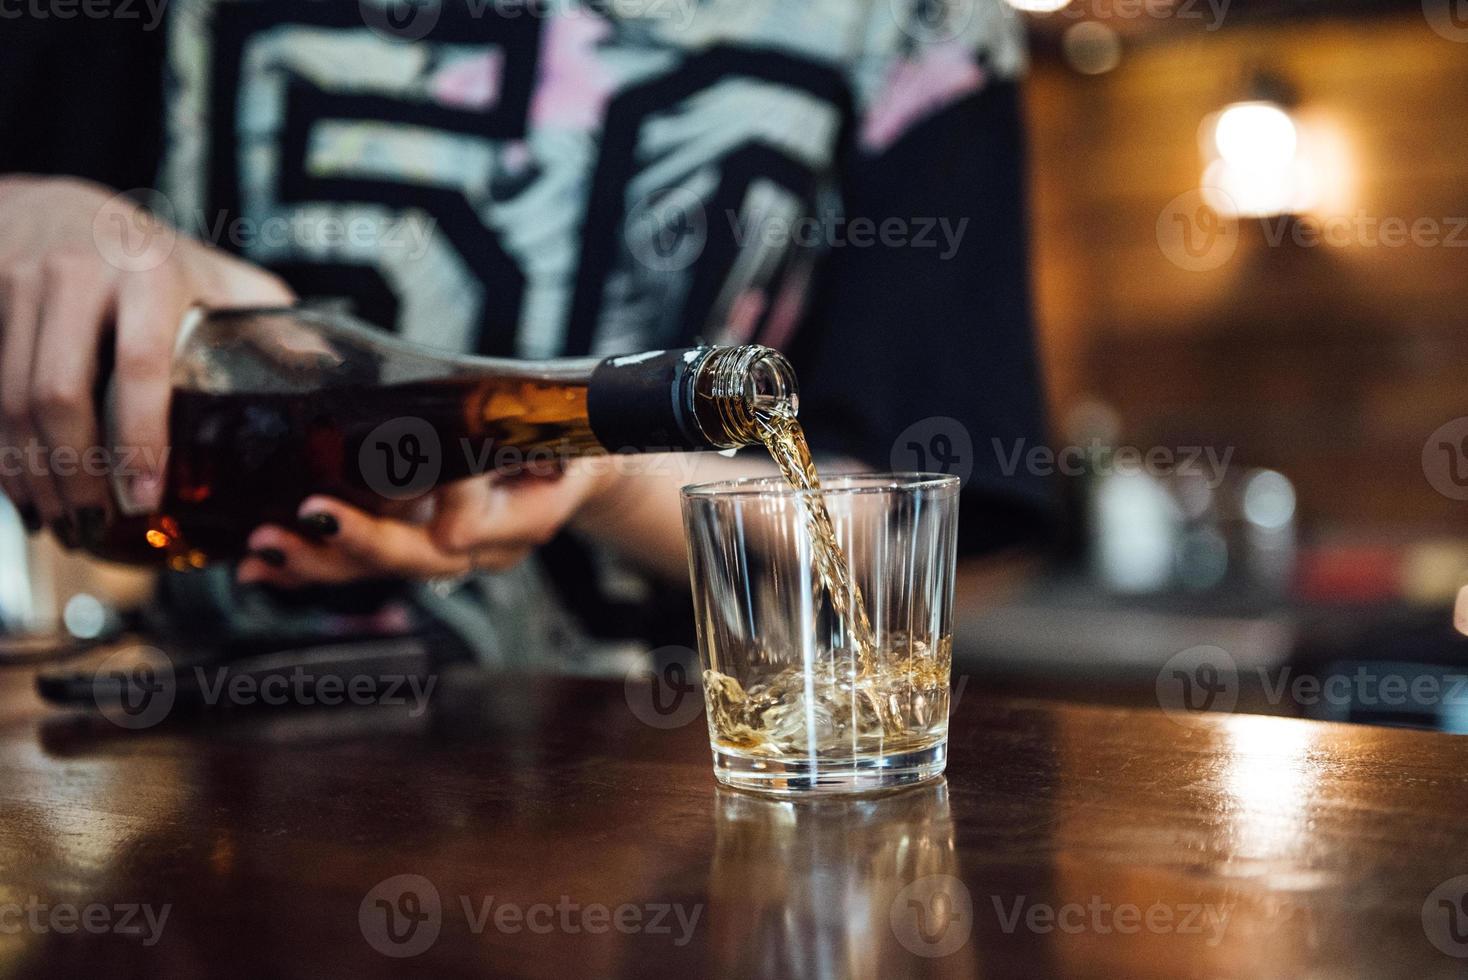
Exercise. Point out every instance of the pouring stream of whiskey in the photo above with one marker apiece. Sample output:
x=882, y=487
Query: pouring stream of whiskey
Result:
x=783, y=437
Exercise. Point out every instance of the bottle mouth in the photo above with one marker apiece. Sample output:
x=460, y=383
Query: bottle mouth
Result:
x=735, y=386
x=771, y=382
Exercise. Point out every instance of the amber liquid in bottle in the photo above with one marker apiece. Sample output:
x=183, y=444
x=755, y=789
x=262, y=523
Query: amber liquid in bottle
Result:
x=238, y=461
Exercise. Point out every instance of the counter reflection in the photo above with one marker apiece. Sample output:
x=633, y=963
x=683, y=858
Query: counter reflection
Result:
x=839, y=887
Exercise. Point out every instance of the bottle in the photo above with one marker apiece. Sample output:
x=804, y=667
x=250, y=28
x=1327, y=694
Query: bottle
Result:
x=271, y=406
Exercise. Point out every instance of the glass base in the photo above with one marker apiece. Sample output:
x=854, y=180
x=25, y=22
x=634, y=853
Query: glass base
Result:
x=802, y=777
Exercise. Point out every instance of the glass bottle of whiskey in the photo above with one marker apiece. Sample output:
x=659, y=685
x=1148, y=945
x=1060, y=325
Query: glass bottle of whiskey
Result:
x=271, y=406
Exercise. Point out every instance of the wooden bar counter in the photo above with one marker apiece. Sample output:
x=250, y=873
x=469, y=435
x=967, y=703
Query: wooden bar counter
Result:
x=540, y=827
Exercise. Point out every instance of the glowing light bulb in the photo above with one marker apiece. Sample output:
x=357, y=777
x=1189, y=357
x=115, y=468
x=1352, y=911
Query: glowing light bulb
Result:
x=1257, y=136
x=1038, y=6
x=1256, y=168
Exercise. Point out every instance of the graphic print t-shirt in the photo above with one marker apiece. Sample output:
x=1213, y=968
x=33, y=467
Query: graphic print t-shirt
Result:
x=539, y=178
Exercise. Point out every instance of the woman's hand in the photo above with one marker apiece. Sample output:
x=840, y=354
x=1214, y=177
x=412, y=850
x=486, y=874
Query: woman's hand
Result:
x=482, y=524
x=83, y=269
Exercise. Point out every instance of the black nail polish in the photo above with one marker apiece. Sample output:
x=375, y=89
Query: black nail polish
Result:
x=318, y=525
x=273, y=557
x=65, y=532
x=31, y=518
x=91, y=526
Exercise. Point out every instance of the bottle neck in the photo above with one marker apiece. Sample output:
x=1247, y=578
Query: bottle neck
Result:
x=698, y=399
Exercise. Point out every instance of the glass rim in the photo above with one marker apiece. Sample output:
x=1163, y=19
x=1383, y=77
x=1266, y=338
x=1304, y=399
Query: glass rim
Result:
x=775, y=486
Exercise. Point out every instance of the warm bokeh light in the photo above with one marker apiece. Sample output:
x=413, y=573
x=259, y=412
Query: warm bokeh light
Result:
x=1325, y=154
x=1236, y=193
x=1091, y=48
x=1038, y=6
x=1256, y=136
x=1256, y=167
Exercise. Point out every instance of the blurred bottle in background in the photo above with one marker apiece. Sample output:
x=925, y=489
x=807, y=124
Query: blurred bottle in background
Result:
x=1196, y=525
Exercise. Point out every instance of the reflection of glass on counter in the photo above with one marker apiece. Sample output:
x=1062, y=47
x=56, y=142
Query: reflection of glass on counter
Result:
x=839, y=887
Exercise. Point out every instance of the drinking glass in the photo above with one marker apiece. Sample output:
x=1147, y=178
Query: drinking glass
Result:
x=796, y=701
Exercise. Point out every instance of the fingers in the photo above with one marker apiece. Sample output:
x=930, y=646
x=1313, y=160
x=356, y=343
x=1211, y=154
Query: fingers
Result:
x=20, y=310
x=385, y=545
x=150, y=307
x=515, y=516
x=230, y=281
x=270, y=559
x=345, y=545
x=77, y=298
x=479, y=525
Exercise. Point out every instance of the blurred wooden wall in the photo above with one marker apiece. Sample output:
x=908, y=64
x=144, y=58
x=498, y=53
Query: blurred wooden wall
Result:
x=1333, y=364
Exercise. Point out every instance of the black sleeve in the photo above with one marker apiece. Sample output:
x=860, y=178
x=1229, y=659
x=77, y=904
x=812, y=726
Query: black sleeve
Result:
x=83, y=96
x=900, y=336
